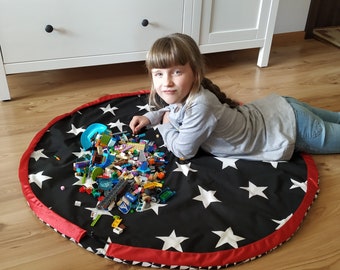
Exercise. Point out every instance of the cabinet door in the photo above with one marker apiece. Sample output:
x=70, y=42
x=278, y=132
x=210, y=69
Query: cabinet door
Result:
x=83, y=27
x=238, y=23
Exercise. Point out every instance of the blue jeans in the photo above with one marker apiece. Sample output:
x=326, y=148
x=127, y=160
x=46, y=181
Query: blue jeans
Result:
x=317, y=130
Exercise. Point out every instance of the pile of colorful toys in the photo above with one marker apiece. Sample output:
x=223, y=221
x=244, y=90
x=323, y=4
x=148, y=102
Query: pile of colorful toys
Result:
x=126, y=173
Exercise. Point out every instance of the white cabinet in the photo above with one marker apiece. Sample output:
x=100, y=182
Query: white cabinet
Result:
x=52, y=34
x=82, y=28
x=236, y=24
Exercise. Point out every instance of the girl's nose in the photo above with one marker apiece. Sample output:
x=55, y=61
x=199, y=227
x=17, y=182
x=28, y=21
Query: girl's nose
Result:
x=167, y=80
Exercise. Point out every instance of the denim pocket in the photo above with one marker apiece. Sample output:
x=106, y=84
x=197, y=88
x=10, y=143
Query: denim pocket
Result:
x=309, y=128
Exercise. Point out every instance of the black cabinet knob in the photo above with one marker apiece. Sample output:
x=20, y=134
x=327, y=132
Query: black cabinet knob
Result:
x=49, y=28
x=145, y=22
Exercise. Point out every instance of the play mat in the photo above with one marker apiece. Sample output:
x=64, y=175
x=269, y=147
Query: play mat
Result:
x=126, y=198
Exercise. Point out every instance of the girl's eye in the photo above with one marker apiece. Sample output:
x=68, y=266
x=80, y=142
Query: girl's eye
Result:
x=157, y=74
x=178, y=72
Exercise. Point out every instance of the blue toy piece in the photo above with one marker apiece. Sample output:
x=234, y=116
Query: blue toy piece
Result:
x=132, y=198
x=107, y=161
x=87, y=135
x=124, y=207
x=104, y=183
x=144, y=168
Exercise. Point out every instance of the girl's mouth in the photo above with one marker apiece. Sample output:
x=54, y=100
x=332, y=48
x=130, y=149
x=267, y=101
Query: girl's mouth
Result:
x=169, y=90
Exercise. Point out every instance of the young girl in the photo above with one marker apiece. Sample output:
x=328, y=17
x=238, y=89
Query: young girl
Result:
x=192, y=113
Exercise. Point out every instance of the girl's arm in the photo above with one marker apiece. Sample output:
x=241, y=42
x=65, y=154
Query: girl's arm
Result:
x=151, y=118
x=184, y=139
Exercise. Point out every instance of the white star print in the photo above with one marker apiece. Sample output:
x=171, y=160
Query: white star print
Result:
x=81, y=153
x=75, y=130
x=38, y=178
x=172, y=241
x=282, y=221
x=117, y=124
x=184, y=168
x=97, y=211
x=206, y=197
x=297, y=184
x=155, y=207
x=274, y=163
x=108, y=109
x=88, y=182
x=255, y=190
x=227, y=162
x=228, y=237
x=146, y=107
x=38, y=154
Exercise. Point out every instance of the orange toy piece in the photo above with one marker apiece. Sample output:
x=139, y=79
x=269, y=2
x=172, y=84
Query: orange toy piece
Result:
x=160, y=175
x=151, y=161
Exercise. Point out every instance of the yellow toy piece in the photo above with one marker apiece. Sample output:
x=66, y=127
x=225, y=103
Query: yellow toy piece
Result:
x=151, y=185
x=117, y=220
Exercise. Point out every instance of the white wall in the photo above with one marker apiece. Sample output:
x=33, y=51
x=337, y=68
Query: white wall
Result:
x=291, y=16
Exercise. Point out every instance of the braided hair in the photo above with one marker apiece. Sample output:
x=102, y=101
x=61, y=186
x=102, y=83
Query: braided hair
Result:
x=222, y=97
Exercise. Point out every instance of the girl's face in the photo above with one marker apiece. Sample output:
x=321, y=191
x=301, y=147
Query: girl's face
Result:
x=173, y=84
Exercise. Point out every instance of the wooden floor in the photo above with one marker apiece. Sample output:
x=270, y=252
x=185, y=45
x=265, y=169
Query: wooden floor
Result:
x=306, y=69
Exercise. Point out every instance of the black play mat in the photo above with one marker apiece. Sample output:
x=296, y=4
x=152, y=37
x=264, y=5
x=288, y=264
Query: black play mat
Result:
x=225, y=211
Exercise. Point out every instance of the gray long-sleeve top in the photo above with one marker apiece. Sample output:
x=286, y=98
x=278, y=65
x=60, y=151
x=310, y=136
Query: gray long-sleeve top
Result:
x=262, y=130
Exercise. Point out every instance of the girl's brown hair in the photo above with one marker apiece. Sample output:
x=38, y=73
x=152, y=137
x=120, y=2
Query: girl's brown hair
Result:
x=180, y=49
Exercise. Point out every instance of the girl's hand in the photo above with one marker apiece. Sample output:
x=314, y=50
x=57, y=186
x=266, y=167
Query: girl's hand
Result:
x=138, y=122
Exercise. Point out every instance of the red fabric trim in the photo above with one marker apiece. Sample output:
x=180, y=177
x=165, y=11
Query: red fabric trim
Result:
x=44, y=213
x=169, y=258
x=222, y=258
